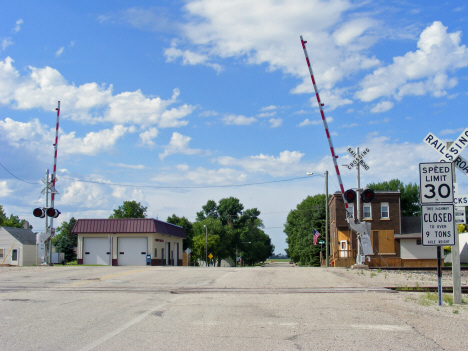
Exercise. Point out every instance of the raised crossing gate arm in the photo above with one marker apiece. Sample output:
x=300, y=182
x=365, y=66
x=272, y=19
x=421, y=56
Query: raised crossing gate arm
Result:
x=325, y=125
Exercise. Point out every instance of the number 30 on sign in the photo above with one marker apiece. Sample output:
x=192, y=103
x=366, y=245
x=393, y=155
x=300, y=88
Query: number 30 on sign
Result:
x=436, y=181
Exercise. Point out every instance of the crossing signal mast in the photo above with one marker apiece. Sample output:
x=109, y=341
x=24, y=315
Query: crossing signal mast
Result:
x=363, y=230
x=50, y=212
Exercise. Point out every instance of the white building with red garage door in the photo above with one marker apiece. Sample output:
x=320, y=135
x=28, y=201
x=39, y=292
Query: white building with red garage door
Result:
x=128, y=242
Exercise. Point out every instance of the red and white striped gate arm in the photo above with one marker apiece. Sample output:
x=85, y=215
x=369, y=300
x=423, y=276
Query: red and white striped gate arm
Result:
x=325, y=124
x=55, y=160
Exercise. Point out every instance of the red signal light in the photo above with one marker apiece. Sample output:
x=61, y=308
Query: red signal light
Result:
x=52, y=212
x=39, y=212
x=367, y=195
x=350, y=195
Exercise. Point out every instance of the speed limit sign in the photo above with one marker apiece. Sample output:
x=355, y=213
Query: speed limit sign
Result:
x=436, y=183
x=437, y=216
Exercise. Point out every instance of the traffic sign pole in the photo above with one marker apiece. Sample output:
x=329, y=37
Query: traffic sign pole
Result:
x=456, y=270
x=357, y=162
x=437, y=215
x=452, y=154
x=439, y=275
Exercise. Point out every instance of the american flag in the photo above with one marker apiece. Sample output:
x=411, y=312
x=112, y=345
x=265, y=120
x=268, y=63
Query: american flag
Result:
x=316, y=235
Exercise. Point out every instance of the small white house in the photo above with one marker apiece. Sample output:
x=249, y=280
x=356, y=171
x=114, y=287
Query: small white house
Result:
x=412, y=252
x=17, y=246
x=463, y=246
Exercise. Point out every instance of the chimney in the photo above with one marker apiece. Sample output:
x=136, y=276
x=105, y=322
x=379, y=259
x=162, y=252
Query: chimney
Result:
x=26, y=225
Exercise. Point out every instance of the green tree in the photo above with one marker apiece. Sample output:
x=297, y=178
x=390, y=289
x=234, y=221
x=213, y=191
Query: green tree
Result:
x=409, y=198
x=65, y=245
x=188, y=229
x=299, y=230
x=200, y=239
x=229, y=210
x=130, y=209
x=228, y=220
x=12, y=221
x=253, y=244
x=208, y=210
x=65, y=230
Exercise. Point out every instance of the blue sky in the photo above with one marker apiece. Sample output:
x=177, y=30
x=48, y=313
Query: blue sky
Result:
x=174, y=103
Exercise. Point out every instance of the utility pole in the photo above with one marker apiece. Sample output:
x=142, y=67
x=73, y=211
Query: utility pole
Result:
x=326, y=218
x=206, y=245
x=358, y=190
x=48, y=249
x=358, y=209
x=456, y=274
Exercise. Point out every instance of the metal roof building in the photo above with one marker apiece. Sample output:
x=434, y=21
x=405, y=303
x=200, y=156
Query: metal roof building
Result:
x=131, y=241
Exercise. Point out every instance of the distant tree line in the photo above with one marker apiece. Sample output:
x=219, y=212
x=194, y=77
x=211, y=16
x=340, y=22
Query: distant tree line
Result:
x=12, y=221
x=232, y=232
x=299, y=230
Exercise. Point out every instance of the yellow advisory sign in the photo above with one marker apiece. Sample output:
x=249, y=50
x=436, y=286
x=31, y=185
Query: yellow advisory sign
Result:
x=210, y=256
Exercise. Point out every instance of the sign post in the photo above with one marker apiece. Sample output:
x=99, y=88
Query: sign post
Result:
x=437, y=209
x=357, y=162
x=452, y=155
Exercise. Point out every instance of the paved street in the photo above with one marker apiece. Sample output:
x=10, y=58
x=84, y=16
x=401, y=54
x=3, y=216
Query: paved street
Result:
x=189, y=308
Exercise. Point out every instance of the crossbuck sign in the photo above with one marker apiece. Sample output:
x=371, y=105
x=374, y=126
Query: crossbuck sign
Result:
x=358, y=158
x=452, y=154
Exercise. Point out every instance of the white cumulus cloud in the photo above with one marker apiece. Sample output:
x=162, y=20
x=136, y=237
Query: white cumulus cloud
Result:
x=275, y=122
x=382, y=106
x=238, y=120
x=422, y=71
x=148, y=136
x=89, y=102
x=33, y=135
x=178, y=145
x=189, y=57
x=267, y=32
x=287, y=163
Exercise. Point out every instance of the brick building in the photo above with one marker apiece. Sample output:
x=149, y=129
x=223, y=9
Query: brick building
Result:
x=384, y=215
x=396, y=240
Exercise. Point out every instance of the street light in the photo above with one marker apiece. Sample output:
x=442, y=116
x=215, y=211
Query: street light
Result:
x=206, y=245
x=326, y=216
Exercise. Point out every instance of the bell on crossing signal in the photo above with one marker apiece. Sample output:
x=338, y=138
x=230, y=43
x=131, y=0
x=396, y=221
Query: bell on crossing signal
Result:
x=367, y=195
x=350, y=195
x=39, y=212
x=52, y=212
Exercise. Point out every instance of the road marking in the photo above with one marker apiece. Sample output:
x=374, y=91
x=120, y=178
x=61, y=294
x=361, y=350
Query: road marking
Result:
x=385, y=327
x=127, y=325
x=110, y=276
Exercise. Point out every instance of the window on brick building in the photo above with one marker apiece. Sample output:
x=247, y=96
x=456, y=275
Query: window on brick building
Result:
x=367, y=211
x=384, y=210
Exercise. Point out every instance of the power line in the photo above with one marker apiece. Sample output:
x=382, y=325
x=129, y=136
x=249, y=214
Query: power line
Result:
x=24, y=181
x=165, y=187
x=183, y=187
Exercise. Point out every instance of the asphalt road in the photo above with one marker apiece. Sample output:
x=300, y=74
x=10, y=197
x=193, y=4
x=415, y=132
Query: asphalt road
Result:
x=189, y=308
